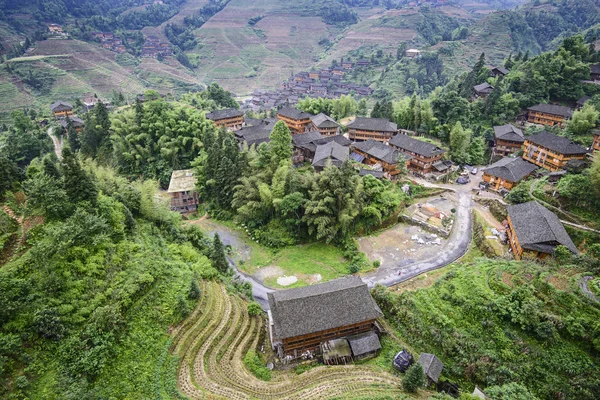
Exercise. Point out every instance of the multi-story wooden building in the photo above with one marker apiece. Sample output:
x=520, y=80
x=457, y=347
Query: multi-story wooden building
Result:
x=596, y=144
x=482, y=90
x=375, y=153
x=535, y=231
x=230, y=118
x=182, y=190
x=423, y=155
x=550, y=151
x=61, y=109
x=507, y=139
x=306, y=144
x=506, y=173
x=255, y=134
x=330, y=152
x=301, y=319
x=324, y=124
x=379, y=129
x=295, y=119
x=549, y=114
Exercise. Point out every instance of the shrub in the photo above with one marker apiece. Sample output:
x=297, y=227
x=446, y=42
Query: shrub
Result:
x=254, y=309
x=376, y=263
x=255, y=365
x=414, y=378
x=353, y=268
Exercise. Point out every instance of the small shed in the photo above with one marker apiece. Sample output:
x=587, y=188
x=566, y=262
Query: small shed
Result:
x=336, y=351
x=364, y=345
x=432, y=366
x=403, y=361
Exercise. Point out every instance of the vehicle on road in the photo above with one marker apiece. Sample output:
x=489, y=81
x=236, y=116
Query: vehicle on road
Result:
x=462, y=180
x=474, y=171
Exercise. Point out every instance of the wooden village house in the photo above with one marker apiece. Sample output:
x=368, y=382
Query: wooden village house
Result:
x=330, y=153
x=380, y=156
x=432, y=367
x=507, y=172
x=424, y=157
x=535, y=231
x=61, y=109
x=324, y=124
x=255, y=134
x=482, y=90
x=311, y=320
x=549, y=114
x=379, y=129
x=499, y=71
x=507, y=139
x=55, y=29
x=595, y=72
x=230, y=118
x=76, y=122
x=182, y=190
x=550, y=151
x=581, y=102
x=596, y=144
x=413, y=53
x=306, y=144
x=295, y=119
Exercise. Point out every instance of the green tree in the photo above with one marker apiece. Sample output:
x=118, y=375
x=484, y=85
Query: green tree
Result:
x=218, y=258
x=459, y=144
x=77, y=183
x=9, y=174
x=414, y=378
x=46, y=197
x=195, y=292
x=583, y=121
x=520, y=193
x=362, y=108
x=477, y=151
x=280, y=143
x=72, y=136
x=254, y=309
x=509, y=391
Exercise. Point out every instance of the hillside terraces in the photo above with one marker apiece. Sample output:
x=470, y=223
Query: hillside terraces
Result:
x=213, y=340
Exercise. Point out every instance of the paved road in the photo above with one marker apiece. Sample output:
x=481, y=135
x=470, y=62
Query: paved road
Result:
x=259, y=291
x=56, y=142
x=583, y=285
x=458, y=245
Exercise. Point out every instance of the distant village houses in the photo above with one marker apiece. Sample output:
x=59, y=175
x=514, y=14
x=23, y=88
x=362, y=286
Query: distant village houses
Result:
x=109, y=41
x=413, y=53
x=153, y=47
x=56, y=29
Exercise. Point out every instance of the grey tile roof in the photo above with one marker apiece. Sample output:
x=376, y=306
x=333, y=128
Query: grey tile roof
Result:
x=552, y=109
x=255, y=134
x=293, y=113
x=417, y=146
x=316, y=308
x=509, y=132
x=222, y=114
x=376, y=174
x=511, y=169
x=373, y=124
x=483, y=88
x=538, y=229
x=432, y=366
x=60, y=106
x=595, y=68
x=583, y=100
x=555, y=143
x=75, y=121
x=380, y=151
x=502, y=70
x=323, y=121
x=330, y=151
x=364, y=343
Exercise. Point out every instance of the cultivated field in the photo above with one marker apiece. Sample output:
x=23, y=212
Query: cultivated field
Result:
x=213, y=340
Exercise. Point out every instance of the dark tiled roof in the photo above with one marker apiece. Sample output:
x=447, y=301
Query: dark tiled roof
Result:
x=502, y=70
x=293, y=113
x=552, y=109
x=75, y=121
x=555, y=143
x=538, y=229
x=380, y=151
x=483, y=88
x=595, y=68
x=330, y=151
x=511, y=169
x=417, y=146
x=582, y=100
x=255, y=134
x=324, y=121
x=222, y=114
x=320, y=307
x=432, y=366
x=60, y=106
x=364, y=343
x=509, y=132
x=373, y=124
x=376, y=174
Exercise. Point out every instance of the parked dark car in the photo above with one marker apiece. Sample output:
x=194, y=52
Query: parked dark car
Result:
x=462, y=180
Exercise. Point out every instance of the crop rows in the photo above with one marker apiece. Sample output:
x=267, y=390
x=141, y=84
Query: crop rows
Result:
x=213, y=340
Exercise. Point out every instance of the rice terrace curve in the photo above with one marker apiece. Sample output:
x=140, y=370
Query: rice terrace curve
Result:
x=211, y=345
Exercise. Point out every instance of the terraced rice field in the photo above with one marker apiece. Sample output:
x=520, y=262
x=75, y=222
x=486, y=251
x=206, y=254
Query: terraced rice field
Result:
x=213, y=340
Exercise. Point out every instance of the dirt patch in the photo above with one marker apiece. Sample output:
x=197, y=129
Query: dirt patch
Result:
x=507, y=279
x=272, y=271
x=287, y=280
x=559, y=282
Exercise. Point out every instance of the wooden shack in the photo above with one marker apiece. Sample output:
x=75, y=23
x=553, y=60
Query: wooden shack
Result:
x=550, y=151
x=432, y=367
x=182, y=190
x=482, y=90
x=549, y=114
x=534, y=230
x=301, y=319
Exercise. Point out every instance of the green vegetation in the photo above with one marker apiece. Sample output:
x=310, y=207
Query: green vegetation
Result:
x=256, y=365
x=495, y=322
x=414, y=378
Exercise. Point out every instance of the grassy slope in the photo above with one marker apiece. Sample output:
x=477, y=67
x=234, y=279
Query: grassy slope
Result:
x=459, y=318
